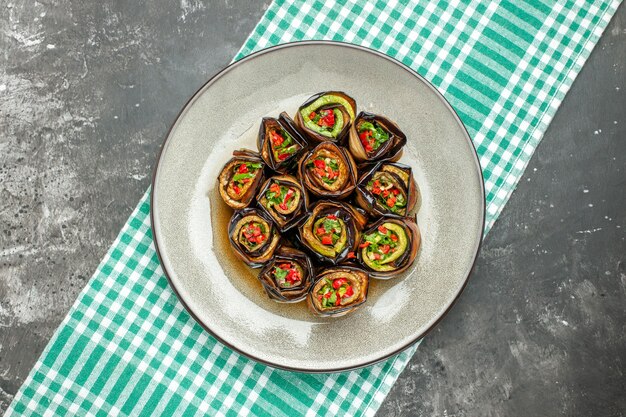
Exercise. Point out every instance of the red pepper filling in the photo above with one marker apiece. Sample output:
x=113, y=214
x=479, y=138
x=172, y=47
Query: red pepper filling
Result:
x=277, y=138
x=324, y=118
x=287, y=275
x=334, y=291
x=372, y=136
x=283, y=144
x=254, y=233
x=244, y=173
x=380, y=243
x=388, y=194
x=328, y=230
x=325, y=168
x=280, y=195
x=367, y=140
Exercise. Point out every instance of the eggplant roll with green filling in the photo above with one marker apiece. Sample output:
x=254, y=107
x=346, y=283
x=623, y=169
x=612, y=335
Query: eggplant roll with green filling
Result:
x=328, y=171
x=280, y=143
x=375, y=138
x=389, y=246
x=338, y=291
x=387, y=188
x=284, y=199
x=332, y=231
x=288, y=277
x=327, y=116
x=253, y=236
x=240, y=178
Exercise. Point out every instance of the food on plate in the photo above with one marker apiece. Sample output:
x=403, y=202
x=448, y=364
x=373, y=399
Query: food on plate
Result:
x=328, y=171
x=288, y=276
x=253, y=236
x=375, y=138
x=387, y=188
x=327, y=116
x=240, y=178
x=332, y=231
x=389, y=246
x=284, y=199
x=338, y=291
x=317, y=224
x=280, y=142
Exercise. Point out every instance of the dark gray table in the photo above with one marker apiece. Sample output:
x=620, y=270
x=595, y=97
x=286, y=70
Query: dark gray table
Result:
x=87, y=92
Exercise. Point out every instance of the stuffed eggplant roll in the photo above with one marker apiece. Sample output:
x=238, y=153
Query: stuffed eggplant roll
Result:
x=332, y=231
x=284, y=199
x=388, y=188
x=328, y=171
x=338, y=291
x=253, y=236
x=389, y=246
x=280, y=143
x=288, y=277
x=375, y=138
x=327, y=116
x=240, y=178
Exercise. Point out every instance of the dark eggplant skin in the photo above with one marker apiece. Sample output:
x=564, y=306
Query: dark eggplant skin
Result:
x=316, y=137
x=353, y=275
x=284, y=222
x=408, y=257
x=391, y=150
x=353, y=219
x=264, y=253
x=319, y=190
x=226, y=174
x=265, y=147
x=293, y=294
x=368, y=202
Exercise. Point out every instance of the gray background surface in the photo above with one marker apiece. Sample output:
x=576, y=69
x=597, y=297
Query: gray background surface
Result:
x=87, y=92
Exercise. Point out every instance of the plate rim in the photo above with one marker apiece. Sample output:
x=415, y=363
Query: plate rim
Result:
x=250, y=57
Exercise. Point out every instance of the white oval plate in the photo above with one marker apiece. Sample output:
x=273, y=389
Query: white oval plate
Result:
x=189, y=219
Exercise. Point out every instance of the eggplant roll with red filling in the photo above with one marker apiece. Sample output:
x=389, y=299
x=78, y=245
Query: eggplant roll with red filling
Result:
x=240, y=178
x=253, y=236
x=338, y=291
x=280, y=143
x=332, y=231
x=328, y=171
x=387, y=188
x=284, y=199
x=375, y=138
x=389, y=246
x=327, y=116
x=288, y=277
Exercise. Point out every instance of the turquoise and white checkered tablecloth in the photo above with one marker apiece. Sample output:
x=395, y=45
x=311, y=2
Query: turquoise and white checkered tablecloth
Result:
x=128, y=347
